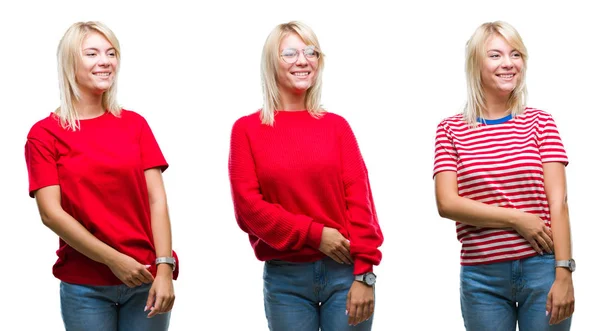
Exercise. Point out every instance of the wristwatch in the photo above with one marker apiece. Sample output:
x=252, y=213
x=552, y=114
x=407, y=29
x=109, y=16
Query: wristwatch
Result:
x=168, y=260
x=367, y=278
x=569, y=264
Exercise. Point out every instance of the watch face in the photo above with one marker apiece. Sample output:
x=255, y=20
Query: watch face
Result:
x=370, y=279
x=572, y=265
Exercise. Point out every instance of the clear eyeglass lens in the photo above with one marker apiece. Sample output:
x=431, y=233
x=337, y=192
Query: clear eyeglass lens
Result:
x=290, y=55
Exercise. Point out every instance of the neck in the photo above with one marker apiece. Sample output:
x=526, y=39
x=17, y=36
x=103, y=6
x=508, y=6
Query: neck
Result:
x=89, y=106
x=496, y=106
x=292, y=101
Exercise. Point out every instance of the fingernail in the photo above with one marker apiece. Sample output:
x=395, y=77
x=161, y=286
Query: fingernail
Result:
x=546, y=313
x=146, y=308
x=147, y=266
x=346, y=312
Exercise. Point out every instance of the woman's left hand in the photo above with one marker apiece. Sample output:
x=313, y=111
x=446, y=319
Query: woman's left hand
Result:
x=561, y=298
x=360, y=303
x=162, y=295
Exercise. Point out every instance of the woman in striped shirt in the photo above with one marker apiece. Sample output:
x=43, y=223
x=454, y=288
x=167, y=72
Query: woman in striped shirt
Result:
x=500, y=174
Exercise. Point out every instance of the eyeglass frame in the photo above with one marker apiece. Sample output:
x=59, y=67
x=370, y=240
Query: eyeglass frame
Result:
x=297, y=56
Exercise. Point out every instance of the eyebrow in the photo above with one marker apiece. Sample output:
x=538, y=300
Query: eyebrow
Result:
x=499, y=51
x=95, y=49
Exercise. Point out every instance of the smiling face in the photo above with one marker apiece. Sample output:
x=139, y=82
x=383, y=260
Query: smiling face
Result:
x=97, y=67
x=501, y=67
x=299, y=76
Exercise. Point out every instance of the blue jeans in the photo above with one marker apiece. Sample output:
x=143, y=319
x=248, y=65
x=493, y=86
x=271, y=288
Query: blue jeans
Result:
x=497, y=296
x=108, y=308
x=308, y=296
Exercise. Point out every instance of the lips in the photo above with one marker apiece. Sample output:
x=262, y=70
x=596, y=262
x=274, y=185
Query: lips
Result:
x=102, y=73
x=300, y=73
x=506, y=76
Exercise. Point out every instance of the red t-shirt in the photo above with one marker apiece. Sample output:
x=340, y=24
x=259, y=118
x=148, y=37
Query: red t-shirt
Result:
x=100, y=170
x=290, y=180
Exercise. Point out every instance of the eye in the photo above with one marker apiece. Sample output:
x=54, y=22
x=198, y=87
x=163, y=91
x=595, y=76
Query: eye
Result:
x=516, y=54
x=289, y=52
x=494, y=56
x=112, y=54
x=310, y=51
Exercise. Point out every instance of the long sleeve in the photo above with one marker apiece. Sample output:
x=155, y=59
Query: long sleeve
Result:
x=267, y=221
x=365, y=234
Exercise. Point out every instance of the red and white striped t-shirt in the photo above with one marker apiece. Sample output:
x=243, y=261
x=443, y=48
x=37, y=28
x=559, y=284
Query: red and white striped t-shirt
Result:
x=499, y=163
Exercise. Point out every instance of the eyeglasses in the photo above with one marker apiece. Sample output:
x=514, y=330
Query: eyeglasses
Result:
x=290, y=55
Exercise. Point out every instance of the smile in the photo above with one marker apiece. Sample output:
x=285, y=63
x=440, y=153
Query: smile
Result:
x=506, y=76
x=301, y=74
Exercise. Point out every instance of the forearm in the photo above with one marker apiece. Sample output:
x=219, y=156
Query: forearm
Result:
x=78, y=237
x=277, y=227
x=161, y=229
x=561, y=235
x=475, y=213
x=161, y=232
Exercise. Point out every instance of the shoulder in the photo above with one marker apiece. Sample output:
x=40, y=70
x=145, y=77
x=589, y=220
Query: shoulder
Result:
x=247, y=121
x=335, y=120
x=132, y=116
x=334, y=117
x=535, y=115
x=455, y=122
x=43, y=128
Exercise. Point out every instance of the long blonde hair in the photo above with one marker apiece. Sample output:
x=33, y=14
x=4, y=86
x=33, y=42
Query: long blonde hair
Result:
x=69, y=58
x=475, y=53
x=269, y=65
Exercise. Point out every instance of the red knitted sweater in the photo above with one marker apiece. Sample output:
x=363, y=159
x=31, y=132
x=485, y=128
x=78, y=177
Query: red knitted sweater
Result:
x=291, y=179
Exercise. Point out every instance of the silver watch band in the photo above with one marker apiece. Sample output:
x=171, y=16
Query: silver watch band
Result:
x=166, y=259
x=568, y=264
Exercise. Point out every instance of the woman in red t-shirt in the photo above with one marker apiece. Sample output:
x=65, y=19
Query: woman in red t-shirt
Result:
x=95, y=171
x=301, y=192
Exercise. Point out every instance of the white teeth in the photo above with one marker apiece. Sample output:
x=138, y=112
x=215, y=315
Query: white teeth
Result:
x=507, y=76
x=302, y=74
x=104, y=74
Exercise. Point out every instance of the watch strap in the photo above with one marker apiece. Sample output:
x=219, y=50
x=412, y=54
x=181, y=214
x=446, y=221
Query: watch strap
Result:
x=569, y=264
x=167, y=260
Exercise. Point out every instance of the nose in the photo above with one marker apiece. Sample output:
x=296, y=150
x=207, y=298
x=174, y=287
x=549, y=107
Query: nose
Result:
x=301, y=61
x=507, y=62
x=103, y=60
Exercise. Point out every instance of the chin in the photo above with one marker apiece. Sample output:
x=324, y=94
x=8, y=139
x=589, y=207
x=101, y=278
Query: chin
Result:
x=302, y=87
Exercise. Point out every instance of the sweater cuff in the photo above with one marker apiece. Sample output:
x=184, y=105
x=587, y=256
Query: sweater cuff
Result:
x=315, y=233
x=361, y=267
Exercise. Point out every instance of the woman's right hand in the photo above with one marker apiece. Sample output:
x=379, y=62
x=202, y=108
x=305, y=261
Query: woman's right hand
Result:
x=533, y=229
x=334, y=245
x=129, y=271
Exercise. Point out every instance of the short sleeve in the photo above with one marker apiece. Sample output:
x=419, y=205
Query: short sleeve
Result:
x=550, y=144
x=446, y=157
x=152, y=156
x=40, y=157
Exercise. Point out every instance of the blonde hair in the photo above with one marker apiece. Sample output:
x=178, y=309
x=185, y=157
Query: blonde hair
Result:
x=475, y=53
x=269, y=67
x=69, y=57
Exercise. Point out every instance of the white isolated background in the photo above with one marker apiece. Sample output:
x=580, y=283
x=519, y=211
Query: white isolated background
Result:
x=393, y=69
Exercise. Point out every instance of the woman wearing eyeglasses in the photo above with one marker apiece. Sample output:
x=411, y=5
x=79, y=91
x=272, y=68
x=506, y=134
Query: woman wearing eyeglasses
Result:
x=301, y=192
x=500, y=174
